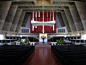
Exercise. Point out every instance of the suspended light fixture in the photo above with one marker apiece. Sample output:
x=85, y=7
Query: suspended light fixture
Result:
x=53, y=20
x=35, y=26
x=53, y=17
x=33, y=16
x=33, y=19
x=50, y=15
x=47, y=15
x=38, y=13
x=43, y=19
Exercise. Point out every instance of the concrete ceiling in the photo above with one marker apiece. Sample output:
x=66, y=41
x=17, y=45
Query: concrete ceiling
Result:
x=30, y=5
x=23, y=6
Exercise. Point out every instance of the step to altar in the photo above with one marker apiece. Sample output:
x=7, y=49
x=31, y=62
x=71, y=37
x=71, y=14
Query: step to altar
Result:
x=43, y=45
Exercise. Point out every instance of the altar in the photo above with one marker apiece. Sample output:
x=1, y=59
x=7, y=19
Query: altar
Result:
x=40, y=39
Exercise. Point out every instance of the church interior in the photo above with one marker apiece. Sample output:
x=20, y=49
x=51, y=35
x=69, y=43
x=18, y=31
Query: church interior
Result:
x=42, y=32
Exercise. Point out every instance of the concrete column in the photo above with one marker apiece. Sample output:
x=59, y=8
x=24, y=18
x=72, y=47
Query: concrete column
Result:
x=70, y=20
x=61, y=19
x=5, y=6
x=18, y=28
x=66, y=21
x=21, y=18
x=10, y=17
x=25, y=19
x=76, y=18
x=16, y=20
x=82, y=12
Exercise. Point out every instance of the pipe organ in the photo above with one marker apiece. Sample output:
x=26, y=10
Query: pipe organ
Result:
x=49, y=22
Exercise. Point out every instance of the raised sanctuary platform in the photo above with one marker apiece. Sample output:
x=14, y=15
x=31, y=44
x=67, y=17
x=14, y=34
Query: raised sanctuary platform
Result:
x=42, y=45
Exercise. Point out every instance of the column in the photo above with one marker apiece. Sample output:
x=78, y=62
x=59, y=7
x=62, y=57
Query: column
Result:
x=21, y=18
x=61, y=19
x=16, y=20
x=10, y=17
x=66, y=22
x=76, y=18
x=5, y=6
x=24, y=21
x=82, y=12
x=70, y=20
x=18, y=28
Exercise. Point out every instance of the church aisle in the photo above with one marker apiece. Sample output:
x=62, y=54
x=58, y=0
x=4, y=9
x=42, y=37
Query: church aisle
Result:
x=42, y=56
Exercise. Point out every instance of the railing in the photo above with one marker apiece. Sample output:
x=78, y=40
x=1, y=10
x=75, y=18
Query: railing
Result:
x=25, y=30
x=62, y=30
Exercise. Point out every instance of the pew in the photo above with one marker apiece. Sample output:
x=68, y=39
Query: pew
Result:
x=70, y=54
x=15, y=55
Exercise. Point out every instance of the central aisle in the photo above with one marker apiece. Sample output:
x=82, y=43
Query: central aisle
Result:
x=42, y=56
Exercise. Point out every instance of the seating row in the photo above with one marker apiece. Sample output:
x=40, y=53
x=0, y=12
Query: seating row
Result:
x=15, y=55
x=70, y=54
x=32, y=39
x=54, y=39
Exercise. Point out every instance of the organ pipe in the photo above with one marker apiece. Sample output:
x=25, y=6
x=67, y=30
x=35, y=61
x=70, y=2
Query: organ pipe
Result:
x=43, y=16
x=47, y=13
x=43, y=21
x=36, y=14
x=53, y=20
x=50, y=15
x=33, y=15
x=39, y=14
x=32, y=28
x=53, y=15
